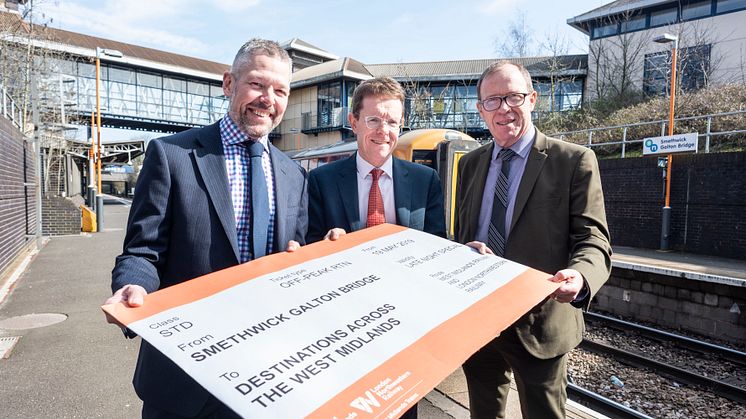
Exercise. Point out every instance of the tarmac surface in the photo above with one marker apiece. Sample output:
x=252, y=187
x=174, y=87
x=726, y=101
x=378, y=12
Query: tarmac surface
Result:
x=81, y=367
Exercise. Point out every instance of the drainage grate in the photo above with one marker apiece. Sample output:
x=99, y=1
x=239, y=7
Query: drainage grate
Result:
x=6, y=345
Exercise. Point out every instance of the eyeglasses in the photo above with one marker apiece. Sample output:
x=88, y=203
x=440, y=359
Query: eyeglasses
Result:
x=513, y=100
x=375, y=122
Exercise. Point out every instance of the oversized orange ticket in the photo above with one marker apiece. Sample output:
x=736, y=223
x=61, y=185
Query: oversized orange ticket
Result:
x=362, y=327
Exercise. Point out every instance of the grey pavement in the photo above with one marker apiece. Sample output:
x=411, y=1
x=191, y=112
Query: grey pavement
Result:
x=82, y=367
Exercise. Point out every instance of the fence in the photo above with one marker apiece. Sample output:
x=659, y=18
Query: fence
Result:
x=609, y=136
x=11, y=110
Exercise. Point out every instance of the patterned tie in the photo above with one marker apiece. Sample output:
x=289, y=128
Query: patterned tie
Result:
x=375, y=201
x=259, y=202
x=496, y=234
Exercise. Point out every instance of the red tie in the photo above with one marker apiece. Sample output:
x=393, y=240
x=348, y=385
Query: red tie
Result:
x=375, y=201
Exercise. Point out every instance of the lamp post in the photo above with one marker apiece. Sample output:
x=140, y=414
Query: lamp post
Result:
x=666, y=215
x=110, y=53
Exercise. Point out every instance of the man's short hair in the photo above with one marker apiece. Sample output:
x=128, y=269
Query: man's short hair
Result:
x=257, y=46
x=379, y=87
x=496, y=66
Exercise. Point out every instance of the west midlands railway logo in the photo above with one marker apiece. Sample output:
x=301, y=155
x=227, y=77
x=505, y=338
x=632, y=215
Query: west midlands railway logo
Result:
x=651, y=145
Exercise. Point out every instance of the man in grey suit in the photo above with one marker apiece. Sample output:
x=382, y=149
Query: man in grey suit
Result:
x=340, y=192
x=208, y=199
x=537, y=201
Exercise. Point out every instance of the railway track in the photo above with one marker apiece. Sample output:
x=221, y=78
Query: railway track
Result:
x=662, y=374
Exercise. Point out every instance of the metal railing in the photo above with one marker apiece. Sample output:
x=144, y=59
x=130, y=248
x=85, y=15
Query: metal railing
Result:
x=11, y=110
x=610, y=136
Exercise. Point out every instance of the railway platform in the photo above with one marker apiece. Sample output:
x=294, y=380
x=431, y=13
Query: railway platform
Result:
x=58, y=358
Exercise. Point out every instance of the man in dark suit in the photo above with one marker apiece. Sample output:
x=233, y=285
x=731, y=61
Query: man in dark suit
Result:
x=537, y=201
x=340, y=192
x=207, y=199
x=372, y=187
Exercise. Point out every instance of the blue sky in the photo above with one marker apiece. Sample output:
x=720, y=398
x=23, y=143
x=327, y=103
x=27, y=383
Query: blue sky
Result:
x=371, y=32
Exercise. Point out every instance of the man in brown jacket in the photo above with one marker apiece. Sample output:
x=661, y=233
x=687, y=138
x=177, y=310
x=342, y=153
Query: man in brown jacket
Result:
x=537, y=201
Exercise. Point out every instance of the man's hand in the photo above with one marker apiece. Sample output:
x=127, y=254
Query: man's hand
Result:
x=334, y=234
x=130, y=295
x=292, y=246
x=572, y=282
x=480, y=247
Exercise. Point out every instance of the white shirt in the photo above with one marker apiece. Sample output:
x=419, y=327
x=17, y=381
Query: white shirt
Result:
x=385, y=183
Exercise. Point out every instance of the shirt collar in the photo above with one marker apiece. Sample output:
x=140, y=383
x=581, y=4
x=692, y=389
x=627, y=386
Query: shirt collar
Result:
x=522, y=146
x=230, y=134
x=364, y=168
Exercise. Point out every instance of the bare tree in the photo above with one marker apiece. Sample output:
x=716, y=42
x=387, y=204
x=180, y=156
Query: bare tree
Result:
x=614, y=63
x=32, y=75
x=516, y=40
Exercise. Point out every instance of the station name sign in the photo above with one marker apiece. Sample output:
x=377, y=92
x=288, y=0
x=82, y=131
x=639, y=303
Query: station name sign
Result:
x=670, y=144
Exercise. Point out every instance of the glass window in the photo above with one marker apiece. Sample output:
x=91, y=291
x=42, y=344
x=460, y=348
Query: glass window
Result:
x=663, y=17
x=122, y=75
x=176, y=85
x=695, y=67
x=605, y=30
x=633, y=23
x=216, y=91
x=329, y=104
x=149, y=80
x=696, y=9
x=730, y=5
x=655, y=73
x=202, y=89
x=86, y=70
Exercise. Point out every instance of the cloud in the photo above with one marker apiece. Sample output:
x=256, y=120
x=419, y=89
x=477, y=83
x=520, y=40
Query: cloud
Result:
x=140, y=22
x=235, y=5
x=495, y=7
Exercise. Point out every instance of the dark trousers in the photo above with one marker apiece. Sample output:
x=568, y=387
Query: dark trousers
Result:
x=541, y=383
x=410, y=414
x=213, y=409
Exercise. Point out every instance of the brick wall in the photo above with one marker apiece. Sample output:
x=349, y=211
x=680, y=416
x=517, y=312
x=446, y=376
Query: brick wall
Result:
x=17, y=202
x=60, y=216
x=708, y=203
x=709, y=309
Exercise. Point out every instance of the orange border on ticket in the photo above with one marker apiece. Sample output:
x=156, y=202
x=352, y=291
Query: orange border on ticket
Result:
x=213, y=283
x=428, y=360
x=433, y=357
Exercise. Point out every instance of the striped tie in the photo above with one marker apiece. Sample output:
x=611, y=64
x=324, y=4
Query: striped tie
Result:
x=496, y=235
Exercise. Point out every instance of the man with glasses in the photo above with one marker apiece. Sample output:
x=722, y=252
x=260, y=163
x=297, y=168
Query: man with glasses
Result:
x=372, y=187
x=537, y=201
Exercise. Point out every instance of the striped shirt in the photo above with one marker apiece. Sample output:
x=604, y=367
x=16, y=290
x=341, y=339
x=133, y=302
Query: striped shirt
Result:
x=238, y=166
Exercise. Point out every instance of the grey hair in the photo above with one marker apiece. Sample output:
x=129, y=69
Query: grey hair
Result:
x=496, y=66
x=258, y=46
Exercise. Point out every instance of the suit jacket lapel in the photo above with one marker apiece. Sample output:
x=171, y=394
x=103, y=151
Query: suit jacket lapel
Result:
x=347, y=188
x=210, y=161
x=402, y=192
x=280, y=169
x=534, y=163
x=480, y=177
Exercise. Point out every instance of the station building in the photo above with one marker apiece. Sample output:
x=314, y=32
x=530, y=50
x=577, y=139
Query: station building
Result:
x=623, y=52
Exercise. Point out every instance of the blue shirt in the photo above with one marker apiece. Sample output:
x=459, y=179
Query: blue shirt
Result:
x=238, y=166
x=522, y=148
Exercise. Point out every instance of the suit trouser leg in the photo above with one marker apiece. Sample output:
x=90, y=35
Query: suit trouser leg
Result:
x=488, y=381
x=541, y=383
